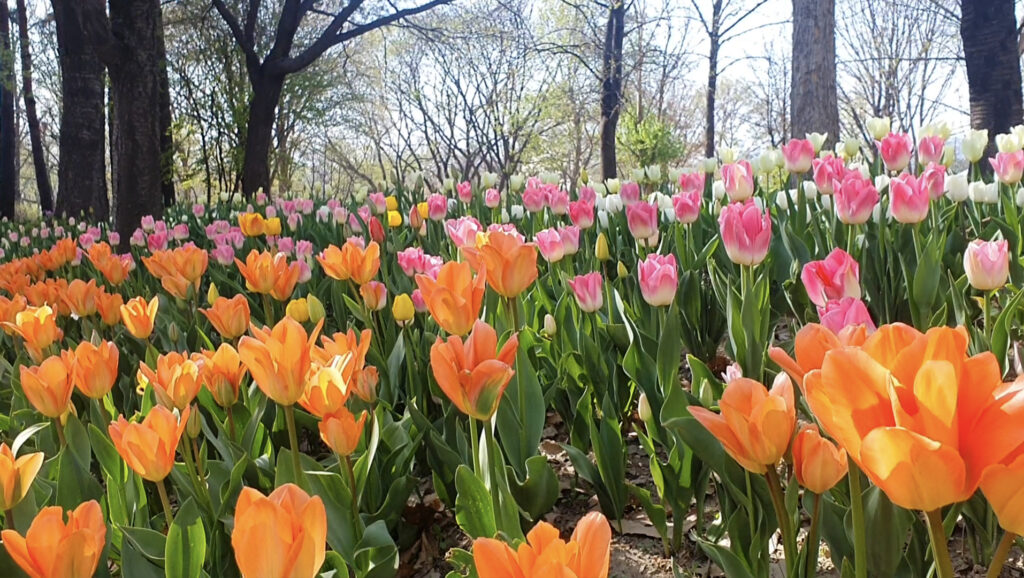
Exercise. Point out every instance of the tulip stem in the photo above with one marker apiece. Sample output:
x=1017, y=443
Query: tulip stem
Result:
x=231, y=424
x=268, y=311
x=812, y=538
x=355, y=496
x=943, y=563
x=785, y=522
x=293, y=439
x=860, y=546
x=1002, y=552
x=986, y=312
x=162, y=490
x=474, y=445
x=60, y=433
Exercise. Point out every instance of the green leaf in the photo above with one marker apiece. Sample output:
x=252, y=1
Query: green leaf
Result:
x=376, y=555
x=536, y=495
x=26, y=434
x=186, y=544
x=729, y=562
x=149, y=543
x=474, y=506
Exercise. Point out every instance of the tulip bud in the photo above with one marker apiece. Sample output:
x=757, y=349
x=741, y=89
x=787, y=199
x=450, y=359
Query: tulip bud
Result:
x=584, y=178
x=516, y=182
x=710, y=165
x=194, y=425
x=173, y=332
x=415, y=220
x=621, y=270
x=391, y=203
x=602, y=251
x=973, y=145
x=851, y=147
x=817, y=140
x=948, y=156
x=403, y=310
x=298, y=309
x=637, y=175
x=394, y=219
x=550, y=328
x=878, y=127
x=448, y=184
x=727, y=155
x=315, y=308
x=613, y=186
x=212, y=294
x=643, y=407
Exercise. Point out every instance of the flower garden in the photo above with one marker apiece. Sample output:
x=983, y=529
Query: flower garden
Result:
x=815, y=351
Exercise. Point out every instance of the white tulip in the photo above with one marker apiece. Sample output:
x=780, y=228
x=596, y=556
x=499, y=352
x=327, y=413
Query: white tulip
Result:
x=851, y=146
x=948, y=156
x=613, y=186
x=516, y=182
x=718, y=190
x=727, y=155
x=673, y=174
x=881, y=181
x=878, y=127
x=810, y=190
x=826, y=202
x=1020, y=197
x=602, y=219
x=782, y=200
x=710, y=165
x=613, y=204
x=516, y=212
x=637, y=175
x=973, y=145
x=1007, y=143
x=653, y=173
x=956, y=187
x=550, y=178
x=488, y=180
x=599, y=190
x=981, y=192
x=939, y=129
x=817, y=140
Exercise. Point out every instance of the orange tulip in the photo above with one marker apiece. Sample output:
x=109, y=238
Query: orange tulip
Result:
x=1004, y=492
x=365, y=386
x=175, y=382
x=47, y=386
x=16, y=475
x=474, y=374
x=455, y=298
x=586, y=555
x=221, y=372
x=812, y=342
x=818, y=463
x=251, y=224
x=266, y=273
x=179, y=269
x=282, y=535
x=148, y=446
x=9, y=309
x=80, y=297
x=230, y=317
x=279, y=359
x=94, y=369
x=328, y=387
x=109, y=307
x=272, y=227
x=919, y=417
x=351, y=262
x=37, y=326
x=114, y=268
x=54, y=549
x=362, y=380
x=756, y=425
x=510, y=263
x=341, y=431
x=139, y=316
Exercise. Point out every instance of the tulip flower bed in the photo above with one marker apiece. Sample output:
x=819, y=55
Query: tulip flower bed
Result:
x=812, y=349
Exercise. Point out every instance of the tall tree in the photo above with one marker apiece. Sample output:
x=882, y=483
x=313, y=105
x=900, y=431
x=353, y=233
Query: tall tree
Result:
x=8, y=133
x=611, y=85
x=166, y=120
x=990, y=37
x=82, y=170
x=814, y=102
x=267, y=73
x=38, y=157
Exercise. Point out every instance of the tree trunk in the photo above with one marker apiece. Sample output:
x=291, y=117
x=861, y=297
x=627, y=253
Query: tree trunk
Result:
x=813, y=101
x=989, y=34
x=81, y=171
x=266, y=92
x=8, y=132
x=712, y=89
x=611, y=87
x=34, y=133
x=135, y=91
x=166, y=120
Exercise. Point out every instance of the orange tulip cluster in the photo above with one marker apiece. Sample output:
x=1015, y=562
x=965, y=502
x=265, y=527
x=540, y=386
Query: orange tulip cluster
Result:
x=510, y=264
x=178, y=270
x=474, y=374
x=114, y=268
x=254, y=225
x=585, y=555
x=269, y=274
x=230, y=317
x=351, y=262
x=92, y=369
x=455, y=297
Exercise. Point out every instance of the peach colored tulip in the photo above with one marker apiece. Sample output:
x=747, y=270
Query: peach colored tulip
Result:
x=148, y=446
x=375, y=295
x=175, y=381
x=139, y=317
x=37, y=326
x=230, y=317
x=817, y=462
x=329, y=387
x=474, y=374
x=270, y=274
x=341, y=431
x=586, y=555
x=510, y=263
x=283, y=535
x=756, y=425
x=279, y=359
x=48, y=386
x=80, y=297
x=54, y=549
x=109, y=307
x=221, y=372
x=351, y=262
x=17, y=475
x=94, y=370
x=455, y=297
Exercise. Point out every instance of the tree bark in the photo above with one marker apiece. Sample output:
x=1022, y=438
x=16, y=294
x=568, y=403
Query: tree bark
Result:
x=81, y=170
x=709, y=104
x=611, y=87
x=135, y=70
x=8, y=132
x=43, y=185
x=166, y=122
x=989, y=34
x=259, y=136
x=813, y=99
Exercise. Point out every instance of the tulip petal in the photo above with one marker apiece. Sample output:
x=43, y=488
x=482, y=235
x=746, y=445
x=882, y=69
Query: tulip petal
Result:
x=915, y=472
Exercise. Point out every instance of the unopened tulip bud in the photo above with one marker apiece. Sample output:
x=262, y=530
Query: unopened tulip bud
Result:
x=212, y=294
x=584, y=178
x=194, y=425
x=315, y=308
x=550, y=328
x=621, y=270
x=1007, y=143
x=948, y=156
x=173, y=332
x=298, y=309
x=851, y=147
x=613, y=186
x=817, y=140
x=878, y=127
x=643, y=407
x=516, y=182
x=602, y=251
x=710, y=165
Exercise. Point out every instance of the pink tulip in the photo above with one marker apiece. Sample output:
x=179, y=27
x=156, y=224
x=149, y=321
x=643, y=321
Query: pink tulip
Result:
x=464, y=190
x=198, y=210
x=896, y=149
x=223, y=254
x=558, y=202
x=570, y=239
x=642, y=219
x=410, y=260
x=285, y=245
x=690, y=182
x=658, y=279
x=138, y=239
x=113, y=237
x=508, y=229
x=907, y=200
x=827, y=170
x=687, y=205
x=582, y=213
x=842, y=313
x=492, y=198
x=588, y=195
x=378, y=203
x=933, y=180
x=1008, y=167
x=463, y=231
x=798, y=154
x=930, y=148
x=550, y=244
x=746, y=232
x=148, y=223
x=738, y=179
x=987, y=264
x=157, y=242
x=303, y=249
x=418, y=302
x=835, y=277
x=587, y=289
x=437, y=207
x=535, y=199
x=855, y=198
x=630, y=193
